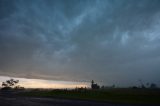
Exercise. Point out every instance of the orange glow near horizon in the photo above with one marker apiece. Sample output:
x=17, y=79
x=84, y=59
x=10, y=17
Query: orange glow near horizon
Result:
x=38, y=83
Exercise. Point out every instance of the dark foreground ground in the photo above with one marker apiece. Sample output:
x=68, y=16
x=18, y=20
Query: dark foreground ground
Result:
x=11, y=98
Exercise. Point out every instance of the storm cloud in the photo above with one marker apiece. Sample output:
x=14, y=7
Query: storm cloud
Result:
x=113, y=41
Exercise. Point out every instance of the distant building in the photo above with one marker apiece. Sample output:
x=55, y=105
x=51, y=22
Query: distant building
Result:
x=94, y=85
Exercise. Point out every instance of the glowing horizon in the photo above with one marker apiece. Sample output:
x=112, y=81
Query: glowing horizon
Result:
x=40, y=83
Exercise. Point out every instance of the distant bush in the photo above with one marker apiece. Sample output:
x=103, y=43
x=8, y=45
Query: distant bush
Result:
x=19, y=88
x=153, y=86
x=6, y=88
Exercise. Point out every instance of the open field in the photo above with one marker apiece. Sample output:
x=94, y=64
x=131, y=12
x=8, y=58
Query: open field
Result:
x=126, y=96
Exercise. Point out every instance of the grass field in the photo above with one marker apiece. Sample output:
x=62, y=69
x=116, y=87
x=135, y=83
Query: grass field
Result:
x=131, y=96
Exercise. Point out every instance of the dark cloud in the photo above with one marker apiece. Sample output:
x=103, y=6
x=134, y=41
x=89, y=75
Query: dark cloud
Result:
x=107, y=40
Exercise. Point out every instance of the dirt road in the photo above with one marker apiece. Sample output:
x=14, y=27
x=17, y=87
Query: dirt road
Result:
x=11, y=99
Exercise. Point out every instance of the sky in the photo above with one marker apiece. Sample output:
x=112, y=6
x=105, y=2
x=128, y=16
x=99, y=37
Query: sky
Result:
x=109, y=41
x=49, y=84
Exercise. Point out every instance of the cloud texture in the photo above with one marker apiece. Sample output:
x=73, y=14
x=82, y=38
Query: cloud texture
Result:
x=113, y=41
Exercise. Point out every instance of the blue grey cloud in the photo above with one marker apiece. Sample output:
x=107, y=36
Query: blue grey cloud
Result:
x=107, y=40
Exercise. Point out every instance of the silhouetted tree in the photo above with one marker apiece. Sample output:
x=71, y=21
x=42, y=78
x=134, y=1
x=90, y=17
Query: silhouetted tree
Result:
x=9, y=84
x=113, y=86
x=102, y=87
x=153, y=85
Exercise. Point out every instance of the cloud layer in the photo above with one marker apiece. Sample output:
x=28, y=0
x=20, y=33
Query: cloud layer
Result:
x=107, y=40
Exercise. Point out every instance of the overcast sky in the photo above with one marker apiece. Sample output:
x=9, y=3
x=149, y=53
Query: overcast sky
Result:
x=110, y=41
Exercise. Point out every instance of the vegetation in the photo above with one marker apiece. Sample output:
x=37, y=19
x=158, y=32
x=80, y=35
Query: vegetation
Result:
x=115, y=95
x=145, y=94
x=11, y=84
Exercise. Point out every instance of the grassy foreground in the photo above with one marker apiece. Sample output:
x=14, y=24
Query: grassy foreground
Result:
x=131, y=96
